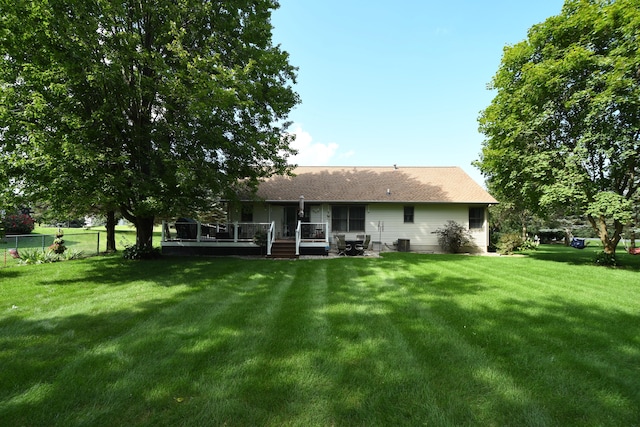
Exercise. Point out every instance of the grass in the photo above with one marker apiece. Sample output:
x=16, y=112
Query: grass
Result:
x=406, y=339
x=88, y=241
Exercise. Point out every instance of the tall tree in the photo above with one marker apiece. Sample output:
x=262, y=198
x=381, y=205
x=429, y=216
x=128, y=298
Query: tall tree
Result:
x=564, y=126
x=153, y=107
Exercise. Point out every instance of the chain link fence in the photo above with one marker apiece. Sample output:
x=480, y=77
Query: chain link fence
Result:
x=87, y=243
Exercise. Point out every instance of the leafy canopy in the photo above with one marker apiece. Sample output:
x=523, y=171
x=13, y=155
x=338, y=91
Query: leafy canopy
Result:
x=152, y=108
x=563, y=128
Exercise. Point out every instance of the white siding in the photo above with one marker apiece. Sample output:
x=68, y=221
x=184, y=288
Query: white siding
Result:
x=385, y=223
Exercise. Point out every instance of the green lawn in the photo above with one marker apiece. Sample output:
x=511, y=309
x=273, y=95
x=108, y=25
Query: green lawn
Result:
x=88, y=241
x=405, y=339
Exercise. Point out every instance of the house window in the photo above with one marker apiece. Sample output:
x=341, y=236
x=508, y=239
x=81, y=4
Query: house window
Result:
x=347, y=218
x=246, y=214
x=408, y=214
x=476, y=218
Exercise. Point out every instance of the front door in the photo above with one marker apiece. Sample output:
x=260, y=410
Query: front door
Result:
x=290, y=221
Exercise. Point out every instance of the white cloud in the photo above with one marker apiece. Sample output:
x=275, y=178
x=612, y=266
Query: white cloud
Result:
x=311, y=153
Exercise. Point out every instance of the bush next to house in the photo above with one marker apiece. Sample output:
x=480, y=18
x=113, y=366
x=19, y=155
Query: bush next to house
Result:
x=18, y=224
x=452, y=237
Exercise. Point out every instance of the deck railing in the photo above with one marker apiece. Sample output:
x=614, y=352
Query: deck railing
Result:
x=195, y=231
x=314, y=231
x=205, y=232
x=271, y=237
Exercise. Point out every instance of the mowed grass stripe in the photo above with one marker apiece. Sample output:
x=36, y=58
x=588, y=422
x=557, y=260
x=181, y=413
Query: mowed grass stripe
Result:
x=225, y=352
x=466, y=385
x=511, y=321
x=405, y=339
x=558, y=330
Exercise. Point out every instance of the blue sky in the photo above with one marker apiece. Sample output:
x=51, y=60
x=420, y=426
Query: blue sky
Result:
x=401, y=82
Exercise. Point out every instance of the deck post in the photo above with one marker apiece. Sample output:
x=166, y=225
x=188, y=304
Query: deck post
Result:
x=235, y=232
x=326, y=233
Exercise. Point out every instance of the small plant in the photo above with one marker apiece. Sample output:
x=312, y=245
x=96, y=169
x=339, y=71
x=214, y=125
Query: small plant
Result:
x=37, y=256
x=529, y=245
x=452, y=237
x=72, y=254
x=260, y=239
x=604, y=259
x=58, y=243
x=135, y=252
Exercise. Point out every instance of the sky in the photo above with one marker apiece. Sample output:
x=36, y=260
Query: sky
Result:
x=402, y=82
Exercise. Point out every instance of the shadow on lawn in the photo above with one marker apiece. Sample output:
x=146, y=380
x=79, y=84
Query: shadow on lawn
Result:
x=167, y=271
x=131, y=364
x=586, y=256
x=346, y=342
x=511, y=362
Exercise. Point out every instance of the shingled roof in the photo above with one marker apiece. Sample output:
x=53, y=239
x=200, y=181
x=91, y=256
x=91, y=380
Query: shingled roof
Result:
x=375, y=184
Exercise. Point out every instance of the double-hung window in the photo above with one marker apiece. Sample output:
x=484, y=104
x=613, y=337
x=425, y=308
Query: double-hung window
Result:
x=476, y=218
x=347, y=218
x=408, y=214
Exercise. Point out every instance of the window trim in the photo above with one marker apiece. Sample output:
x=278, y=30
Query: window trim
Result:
x=474, y=220
x=348, y=221
x=409, y=218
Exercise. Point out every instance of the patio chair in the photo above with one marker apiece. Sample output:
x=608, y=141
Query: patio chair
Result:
x=343, y=248
x=360, y=248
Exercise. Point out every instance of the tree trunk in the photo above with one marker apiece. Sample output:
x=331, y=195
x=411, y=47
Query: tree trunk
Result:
x=111, y=231
x=609, y=243
x=144, y=232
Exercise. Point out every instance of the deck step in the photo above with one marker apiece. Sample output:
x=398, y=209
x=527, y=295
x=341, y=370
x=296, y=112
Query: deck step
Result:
x=283, y=249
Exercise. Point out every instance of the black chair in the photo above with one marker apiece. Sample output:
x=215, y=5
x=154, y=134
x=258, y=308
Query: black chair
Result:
x=342, y=245
x=361, y=247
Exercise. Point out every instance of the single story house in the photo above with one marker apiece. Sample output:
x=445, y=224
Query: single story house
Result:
x=400, y=208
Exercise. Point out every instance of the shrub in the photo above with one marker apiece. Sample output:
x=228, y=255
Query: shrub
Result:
x=452, y=237
x=71, y=254
x=605, y=259
x=528, y=245
x=58, y=244
x=18, y=224
x=135, y=252
x=508, y=243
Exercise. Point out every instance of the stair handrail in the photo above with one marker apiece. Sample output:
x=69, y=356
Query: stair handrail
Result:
x=298, y=237
x=270, y=237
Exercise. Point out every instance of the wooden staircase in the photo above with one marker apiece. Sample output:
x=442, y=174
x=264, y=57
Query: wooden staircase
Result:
x=283, y=249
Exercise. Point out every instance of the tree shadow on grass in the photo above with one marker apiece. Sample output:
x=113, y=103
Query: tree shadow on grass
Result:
x=321, y=343
x=586, y=256
x=547, y=362
x=126, y=365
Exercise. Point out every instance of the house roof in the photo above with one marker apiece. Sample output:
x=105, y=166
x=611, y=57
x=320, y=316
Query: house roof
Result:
x=370, y=184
